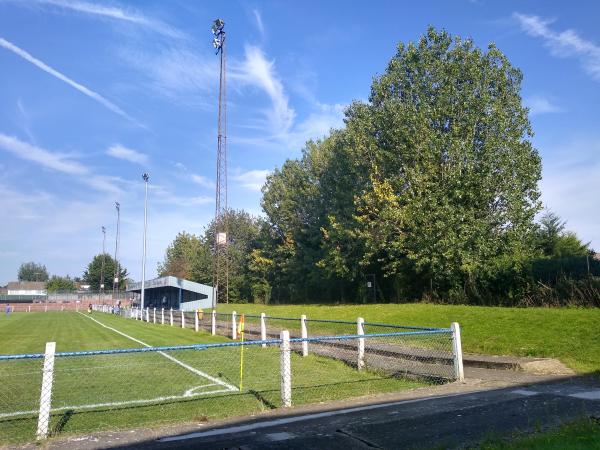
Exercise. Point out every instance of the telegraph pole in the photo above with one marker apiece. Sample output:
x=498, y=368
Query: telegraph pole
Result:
x=221, y=265
x=146, y=177
x=103, y=259
x=117, y=271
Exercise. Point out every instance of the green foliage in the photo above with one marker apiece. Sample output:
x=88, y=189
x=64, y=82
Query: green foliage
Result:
x=191, y=257
x=31, y=271
x=184, y=258
x=93, y=273
x=58, y=283
x=555, y=242
x=430, y=182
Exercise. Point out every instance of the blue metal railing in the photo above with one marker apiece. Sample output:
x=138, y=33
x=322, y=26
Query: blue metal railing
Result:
x=223, y=344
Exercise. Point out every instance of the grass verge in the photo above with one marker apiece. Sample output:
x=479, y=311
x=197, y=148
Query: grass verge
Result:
x=569, y=334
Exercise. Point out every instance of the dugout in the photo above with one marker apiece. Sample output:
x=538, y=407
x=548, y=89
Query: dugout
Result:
x=172, y=292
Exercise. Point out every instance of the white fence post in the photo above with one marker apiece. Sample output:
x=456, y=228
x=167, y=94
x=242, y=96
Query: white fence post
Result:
x=154, y=315
x=459, y=372
x=304, y=335
x=162, y=316
x=360, y=330
x=233, y=326
x=46, y=393
x=213, y=323
x=196, y=324
x=171, y=316
x=263, y=329
x=182, y=320
x=285, y=367
x=29, y=309
x=147, y=315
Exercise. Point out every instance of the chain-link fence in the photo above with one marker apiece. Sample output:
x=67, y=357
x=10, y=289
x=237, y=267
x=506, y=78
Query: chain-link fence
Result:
x=51, y=393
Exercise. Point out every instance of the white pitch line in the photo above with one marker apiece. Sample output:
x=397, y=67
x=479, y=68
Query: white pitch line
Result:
x=123, y=403
x=169, y=357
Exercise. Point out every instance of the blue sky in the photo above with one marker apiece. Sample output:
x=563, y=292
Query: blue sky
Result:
x=92, y=94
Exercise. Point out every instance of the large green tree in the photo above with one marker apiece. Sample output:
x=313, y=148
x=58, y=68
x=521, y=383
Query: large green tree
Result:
x=93, y=273
x=432, y=183
x=31, y=271
x=555, y=241
x=57, y=283
x=191, y=257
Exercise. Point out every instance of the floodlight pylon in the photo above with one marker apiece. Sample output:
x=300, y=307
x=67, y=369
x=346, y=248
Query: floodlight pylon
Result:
x=221, y=237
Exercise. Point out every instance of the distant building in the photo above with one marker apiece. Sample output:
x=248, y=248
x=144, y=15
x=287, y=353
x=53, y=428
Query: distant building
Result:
x=26, y=288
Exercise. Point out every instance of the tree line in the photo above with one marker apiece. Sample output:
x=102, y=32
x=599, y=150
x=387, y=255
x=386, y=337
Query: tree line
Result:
x=430, y=190
x=92, y=275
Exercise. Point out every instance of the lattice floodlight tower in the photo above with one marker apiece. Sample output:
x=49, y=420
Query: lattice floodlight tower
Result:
x=221, y=260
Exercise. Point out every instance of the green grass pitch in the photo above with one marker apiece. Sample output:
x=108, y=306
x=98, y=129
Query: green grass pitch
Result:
x=92, y=393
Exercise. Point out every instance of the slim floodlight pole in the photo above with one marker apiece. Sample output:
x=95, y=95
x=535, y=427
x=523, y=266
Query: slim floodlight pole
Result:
x=103, y=259
x=117, y=271
x=146, y=177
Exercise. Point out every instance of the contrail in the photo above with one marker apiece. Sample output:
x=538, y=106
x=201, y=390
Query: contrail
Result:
x=81, y=88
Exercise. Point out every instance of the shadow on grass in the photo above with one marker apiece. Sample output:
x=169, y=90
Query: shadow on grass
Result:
x=62, y=422
x=266, y=403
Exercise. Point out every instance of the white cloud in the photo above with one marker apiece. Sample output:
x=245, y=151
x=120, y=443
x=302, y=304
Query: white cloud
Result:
x=121, y=152
x=259, y=22
x=113, y=13
x=570, y=185
x=563, y=44
x=255, y=70
x=251, y=179
x=55, y=73
x=54, y=161
x=202, y=181
x=538, y=104
x=177, y=73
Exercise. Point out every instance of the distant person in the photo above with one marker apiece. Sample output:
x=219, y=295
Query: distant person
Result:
x=7, y=309
x=90, y=308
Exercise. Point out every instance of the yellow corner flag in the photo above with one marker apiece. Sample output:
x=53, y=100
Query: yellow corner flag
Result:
x=240, y=331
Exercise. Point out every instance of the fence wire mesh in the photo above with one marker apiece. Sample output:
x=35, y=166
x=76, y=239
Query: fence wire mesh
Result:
x=124, y=388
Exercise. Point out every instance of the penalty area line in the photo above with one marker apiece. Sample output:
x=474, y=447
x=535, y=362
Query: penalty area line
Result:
x=185, y=396
x=169, y=357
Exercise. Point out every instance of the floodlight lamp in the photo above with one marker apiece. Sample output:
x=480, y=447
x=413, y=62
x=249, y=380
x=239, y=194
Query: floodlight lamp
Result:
x=217, y=43
x=117, y=205
x=218, y=25
x=145, y=176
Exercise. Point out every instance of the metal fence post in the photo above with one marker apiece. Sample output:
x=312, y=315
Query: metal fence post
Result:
x=285, y=367
x=213, y=323
x=162, y=316
x=360, y=330
x=233, y=326
x=154, y=315
x=182, y=320
x=171, y=316
x=46, y=392
x=304, y=334
x=459, y=372
x=196, y=324
x=263, y=328
x=147, y=315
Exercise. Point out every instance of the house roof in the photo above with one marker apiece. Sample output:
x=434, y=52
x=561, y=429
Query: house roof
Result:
x=26, y=285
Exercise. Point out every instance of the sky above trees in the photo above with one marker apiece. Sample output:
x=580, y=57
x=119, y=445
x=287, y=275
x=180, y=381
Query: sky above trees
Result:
x=93, y=94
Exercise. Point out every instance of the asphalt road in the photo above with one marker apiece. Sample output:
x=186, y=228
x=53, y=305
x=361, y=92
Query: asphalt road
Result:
x=449, y=421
